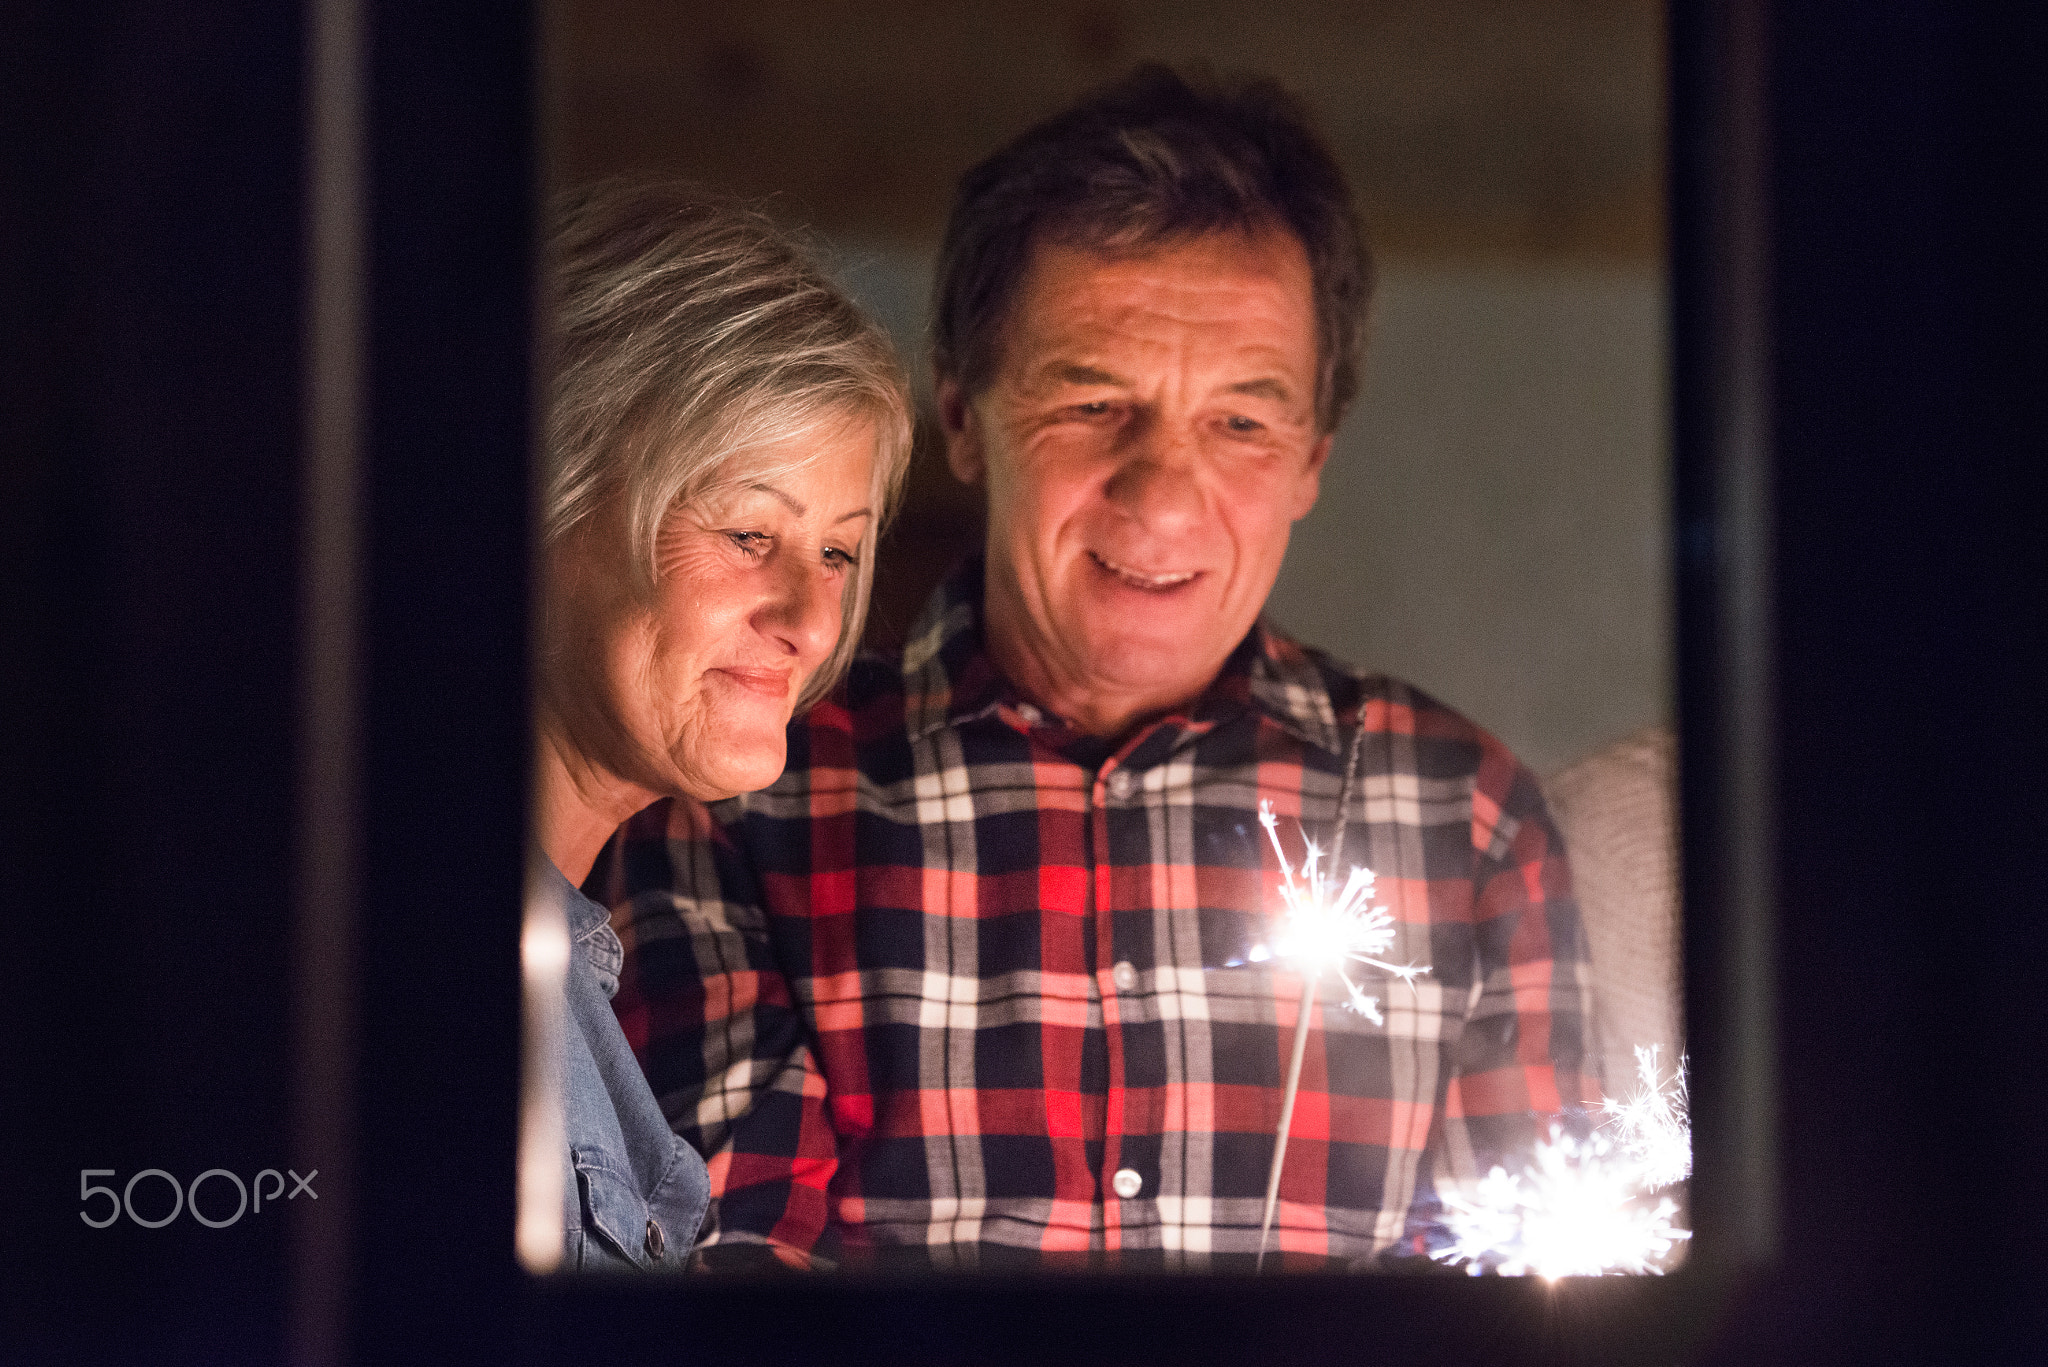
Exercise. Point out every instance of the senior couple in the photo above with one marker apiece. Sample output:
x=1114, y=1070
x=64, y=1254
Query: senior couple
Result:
x=954, y=968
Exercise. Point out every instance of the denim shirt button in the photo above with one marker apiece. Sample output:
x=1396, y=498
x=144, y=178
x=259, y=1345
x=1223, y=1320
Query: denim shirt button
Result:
x=655, y=1242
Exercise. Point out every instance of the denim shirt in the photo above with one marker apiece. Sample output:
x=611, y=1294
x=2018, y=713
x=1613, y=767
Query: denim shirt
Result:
x=634, y=1192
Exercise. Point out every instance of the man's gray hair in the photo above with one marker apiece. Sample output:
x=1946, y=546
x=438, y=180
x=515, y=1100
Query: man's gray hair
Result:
x=1150, y=160
x=690, y=336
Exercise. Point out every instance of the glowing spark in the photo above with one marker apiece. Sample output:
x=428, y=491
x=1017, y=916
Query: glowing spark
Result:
x=1323, y=931
x=1577, y=1212
x=1652, y=1124
x=1330, y=928
x=1586, y=1207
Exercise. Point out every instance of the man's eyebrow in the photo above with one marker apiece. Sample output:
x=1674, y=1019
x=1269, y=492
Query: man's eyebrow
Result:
x=1266, y=387
x=1074, y=373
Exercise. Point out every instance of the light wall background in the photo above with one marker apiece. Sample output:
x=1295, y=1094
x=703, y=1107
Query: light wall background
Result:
x=1493, y=525
x=1493, y=522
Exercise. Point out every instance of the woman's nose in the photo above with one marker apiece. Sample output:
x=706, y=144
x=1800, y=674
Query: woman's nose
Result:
x=804, y=610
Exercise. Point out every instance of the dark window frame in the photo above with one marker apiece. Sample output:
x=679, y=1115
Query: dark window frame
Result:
x=1857, y=400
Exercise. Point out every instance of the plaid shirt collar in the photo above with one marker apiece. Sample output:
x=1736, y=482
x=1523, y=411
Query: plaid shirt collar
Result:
x=949, y=679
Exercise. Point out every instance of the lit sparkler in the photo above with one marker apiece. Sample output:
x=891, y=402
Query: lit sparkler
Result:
x=1579, y=1211
x=1587, y=1206
x=1331, y=927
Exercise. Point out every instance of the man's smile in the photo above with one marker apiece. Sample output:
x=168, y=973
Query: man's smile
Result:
x=1138, y=579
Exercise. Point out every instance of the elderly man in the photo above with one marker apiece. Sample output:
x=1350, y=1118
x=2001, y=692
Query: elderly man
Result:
x=976, y=981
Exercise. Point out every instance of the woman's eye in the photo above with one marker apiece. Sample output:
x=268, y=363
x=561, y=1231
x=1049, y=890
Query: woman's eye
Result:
x=753, y=543
x=837, y=559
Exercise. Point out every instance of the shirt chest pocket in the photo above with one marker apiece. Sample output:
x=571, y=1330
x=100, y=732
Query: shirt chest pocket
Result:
x=619, y=1232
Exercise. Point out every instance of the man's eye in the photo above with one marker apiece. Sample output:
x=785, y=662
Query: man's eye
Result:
x=1100, y=408
x=1242, y=425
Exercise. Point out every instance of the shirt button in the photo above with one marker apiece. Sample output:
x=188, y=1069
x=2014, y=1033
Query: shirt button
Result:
x=1124, y=976
x=1121, y=783
x=655, y=1242
x=1031, y=715
x=1127, y=1183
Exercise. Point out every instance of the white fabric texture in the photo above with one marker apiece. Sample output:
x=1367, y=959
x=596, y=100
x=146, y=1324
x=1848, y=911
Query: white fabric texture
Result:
x=1617, y=810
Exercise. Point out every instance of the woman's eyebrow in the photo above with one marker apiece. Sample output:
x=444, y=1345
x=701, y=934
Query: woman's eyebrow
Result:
x=788, y=501
x=800, y=508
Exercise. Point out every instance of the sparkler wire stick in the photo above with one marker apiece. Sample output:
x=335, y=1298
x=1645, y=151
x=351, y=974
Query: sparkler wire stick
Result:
x=1308, y=1001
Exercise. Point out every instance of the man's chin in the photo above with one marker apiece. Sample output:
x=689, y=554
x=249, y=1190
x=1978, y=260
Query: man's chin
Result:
x=1169, y=663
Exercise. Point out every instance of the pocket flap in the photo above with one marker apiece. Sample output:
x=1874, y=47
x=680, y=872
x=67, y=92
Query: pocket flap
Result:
x=612, y=1207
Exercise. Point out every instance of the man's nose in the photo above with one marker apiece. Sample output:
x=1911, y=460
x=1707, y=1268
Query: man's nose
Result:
x=1157, y=481
x=803, y=610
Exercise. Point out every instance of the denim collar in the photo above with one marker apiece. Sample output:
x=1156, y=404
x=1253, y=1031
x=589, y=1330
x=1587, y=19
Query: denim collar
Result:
x=590, y=927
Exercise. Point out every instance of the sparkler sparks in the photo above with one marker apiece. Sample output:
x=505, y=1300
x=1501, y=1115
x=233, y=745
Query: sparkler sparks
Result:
x=1580, y=1211
x=1586, y=1207
x=1652, y=1124
x=1329, y=929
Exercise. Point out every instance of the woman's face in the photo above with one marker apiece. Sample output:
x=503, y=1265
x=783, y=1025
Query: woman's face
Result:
x=689, y=693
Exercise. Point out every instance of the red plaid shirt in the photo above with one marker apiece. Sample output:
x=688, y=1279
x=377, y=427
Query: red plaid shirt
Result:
x=944, y=991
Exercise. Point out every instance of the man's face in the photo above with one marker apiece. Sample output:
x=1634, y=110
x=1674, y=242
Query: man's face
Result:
x=1148, y=439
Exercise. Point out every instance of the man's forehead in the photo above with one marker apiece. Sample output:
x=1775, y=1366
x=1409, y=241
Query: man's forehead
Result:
x=1218, y=259
x=1084, y=315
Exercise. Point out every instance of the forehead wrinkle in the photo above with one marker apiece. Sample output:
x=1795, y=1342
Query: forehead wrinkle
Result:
x=1125, y=334
x=1274, y=385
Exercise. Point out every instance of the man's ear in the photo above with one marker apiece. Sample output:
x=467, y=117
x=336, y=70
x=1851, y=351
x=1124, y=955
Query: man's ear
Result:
x=958, y=420
x=1312, y=477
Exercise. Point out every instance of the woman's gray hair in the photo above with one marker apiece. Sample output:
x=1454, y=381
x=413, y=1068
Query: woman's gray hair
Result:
x=690, y=336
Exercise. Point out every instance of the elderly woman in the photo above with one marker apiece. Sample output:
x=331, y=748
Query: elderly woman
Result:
x=726, y=433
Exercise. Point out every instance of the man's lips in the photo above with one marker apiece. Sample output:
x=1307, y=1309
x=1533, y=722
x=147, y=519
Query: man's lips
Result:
x=769, y=683
x=1141, y=579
